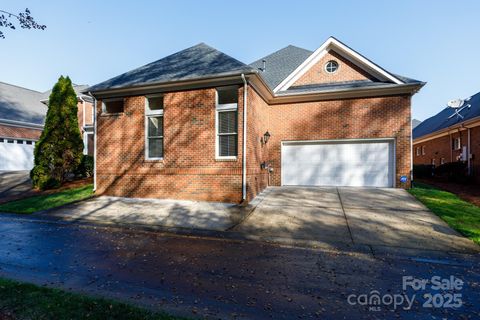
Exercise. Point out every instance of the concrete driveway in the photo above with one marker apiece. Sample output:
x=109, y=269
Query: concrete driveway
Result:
x=14, y=185
x=371, y=217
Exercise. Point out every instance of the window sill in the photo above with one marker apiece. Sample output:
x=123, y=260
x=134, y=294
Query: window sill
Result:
x=153, y=160
x=111, y=114
x=231, y=159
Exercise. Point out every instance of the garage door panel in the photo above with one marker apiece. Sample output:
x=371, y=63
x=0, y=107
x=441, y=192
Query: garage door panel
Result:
x=338, y=164
x=14, y=156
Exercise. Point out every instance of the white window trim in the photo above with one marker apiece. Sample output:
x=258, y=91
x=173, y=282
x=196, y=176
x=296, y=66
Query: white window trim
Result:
x=223, y=108
x=455, y=146
x=423, y=150
x=104, y=107
x=155, y=113
x=331, y=72
x=418, y=151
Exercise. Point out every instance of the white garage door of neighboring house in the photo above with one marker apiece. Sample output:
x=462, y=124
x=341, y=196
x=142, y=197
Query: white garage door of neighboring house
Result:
x=356, y=163
x=16, y=154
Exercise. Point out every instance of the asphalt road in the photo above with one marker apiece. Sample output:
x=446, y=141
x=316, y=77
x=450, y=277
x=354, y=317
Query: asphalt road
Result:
x=229, y=279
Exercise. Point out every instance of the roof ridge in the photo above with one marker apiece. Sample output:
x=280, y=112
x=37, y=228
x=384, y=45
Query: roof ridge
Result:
x=14, y=85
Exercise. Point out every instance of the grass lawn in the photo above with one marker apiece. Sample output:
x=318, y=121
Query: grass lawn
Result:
x=47, y=201
x=27, y=301
x=460, y=215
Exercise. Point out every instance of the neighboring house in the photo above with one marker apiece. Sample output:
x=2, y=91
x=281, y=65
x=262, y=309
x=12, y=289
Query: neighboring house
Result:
x=415, y=123
x=21, y=123
x=448, y=137
x=201, y=125
x=22, y=116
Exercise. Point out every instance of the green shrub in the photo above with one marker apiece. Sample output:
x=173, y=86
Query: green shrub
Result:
x=58, y=152
x=454, y=171
x=85, y=169
x=422, y=171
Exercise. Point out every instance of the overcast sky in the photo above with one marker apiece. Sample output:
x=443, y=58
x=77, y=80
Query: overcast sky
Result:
x=434, y=41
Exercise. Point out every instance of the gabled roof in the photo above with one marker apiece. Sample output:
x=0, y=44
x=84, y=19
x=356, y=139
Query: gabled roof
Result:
x=280, y=64
x=442, y=119
x=348, y=53
x=21, y=104
x=199, y=61
x=201, y=64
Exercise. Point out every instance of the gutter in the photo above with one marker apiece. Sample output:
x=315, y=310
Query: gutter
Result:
x=470, y=123
x=21, y=124
x=94, y=142
x=244, y=152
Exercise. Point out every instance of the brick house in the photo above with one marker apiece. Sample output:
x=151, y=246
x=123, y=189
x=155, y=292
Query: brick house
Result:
x=201, y=125
x=449, y=137
x=22, y=115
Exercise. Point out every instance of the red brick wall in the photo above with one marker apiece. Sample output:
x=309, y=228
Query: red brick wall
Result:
x=18, y=132
x=475, y=151
x=257, y=152
x=347, y=71
x=387, y=117
x=189, y=169
x=442, y=148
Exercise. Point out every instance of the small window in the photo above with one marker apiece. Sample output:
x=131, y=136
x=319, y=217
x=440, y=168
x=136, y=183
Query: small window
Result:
x=423, y=150
x=28, y=142
x=154, y=127
x=442, y=160
x=433, y=162
x=331, y=66
x=227, y=122
x=113, y=106
x=19, y=141
x=10, y=141
x=418, y=151
x=2, y=140
x=457, y=144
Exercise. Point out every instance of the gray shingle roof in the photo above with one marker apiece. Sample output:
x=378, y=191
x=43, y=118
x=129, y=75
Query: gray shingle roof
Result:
x=194, y=62
x=441, y=120
x=280, y=64
x=21, y=104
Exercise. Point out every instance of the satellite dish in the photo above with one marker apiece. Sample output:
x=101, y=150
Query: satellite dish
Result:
x=455, y=104
x=458, y=105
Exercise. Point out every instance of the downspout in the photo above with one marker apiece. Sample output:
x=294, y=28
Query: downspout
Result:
x=468, y=152
x=94, y=116
x=244, y=152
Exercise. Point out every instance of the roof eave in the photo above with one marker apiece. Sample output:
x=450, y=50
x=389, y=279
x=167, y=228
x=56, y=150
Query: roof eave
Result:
x=432, y=135
x=348, y=93
x=197, y=82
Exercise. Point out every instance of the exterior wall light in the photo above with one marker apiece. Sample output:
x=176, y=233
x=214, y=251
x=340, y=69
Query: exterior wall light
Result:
x=266, y=137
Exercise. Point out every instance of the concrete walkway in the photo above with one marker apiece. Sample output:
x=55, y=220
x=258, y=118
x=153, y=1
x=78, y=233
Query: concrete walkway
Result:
x=152, y=212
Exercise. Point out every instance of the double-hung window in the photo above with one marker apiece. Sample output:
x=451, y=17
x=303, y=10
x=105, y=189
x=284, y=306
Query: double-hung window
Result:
x=227, y=123
x=154, y=128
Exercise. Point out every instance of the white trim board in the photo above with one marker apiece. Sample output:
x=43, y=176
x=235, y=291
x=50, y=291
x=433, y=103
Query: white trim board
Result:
x=344, y=51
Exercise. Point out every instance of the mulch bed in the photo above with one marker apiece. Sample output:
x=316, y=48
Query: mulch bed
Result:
x=35, y=192
x=469, y=192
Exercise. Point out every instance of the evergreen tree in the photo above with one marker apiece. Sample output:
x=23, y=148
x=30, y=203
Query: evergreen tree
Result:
x=59, y=150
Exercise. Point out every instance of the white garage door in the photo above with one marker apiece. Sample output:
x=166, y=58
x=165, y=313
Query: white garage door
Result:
x=16, y=154
x=333, y=163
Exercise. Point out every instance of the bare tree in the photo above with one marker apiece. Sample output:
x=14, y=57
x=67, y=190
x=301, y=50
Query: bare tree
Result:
x=24, y=19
